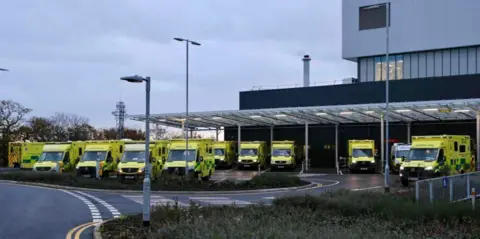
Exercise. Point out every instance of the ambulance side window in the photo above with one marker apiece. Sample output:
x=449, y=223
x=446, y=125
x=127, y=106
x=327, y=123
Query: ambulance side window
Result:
x=80, y=151
x=463, y=148
x=440, y=156
x=164, y=150
x=455, y=146
x=159, y=151
x=121, y=148
x=11, y=149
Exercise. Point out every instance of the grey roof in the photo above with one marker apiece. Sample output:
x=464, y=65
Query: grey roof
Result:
x=360, y=113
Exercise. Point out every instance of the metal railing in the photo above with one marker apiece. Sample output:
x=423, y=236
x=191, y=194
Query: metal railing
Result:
x=320, y=83
x=450, y=188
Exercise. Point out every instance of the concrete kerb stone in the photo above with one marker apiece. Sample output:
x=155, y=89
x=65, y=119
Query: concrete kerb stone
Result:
x=268, y=190
x=97, y=234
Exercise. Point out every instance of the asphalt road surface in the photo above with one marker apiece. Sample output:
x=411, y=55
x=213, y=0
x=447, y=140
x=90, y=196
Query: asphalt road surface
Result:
x=33, y=212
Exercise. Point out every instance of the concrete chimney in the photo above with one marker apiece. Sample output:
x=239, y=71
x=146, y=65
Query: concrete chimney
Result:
x=306, y=70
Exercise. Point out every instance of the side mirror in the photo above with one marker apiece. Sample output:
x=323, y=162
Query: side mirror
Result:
x=109, y=160
x=118, y=160
x=164, y=159
x=200, y=159
x=151, y=160
x=403, y=158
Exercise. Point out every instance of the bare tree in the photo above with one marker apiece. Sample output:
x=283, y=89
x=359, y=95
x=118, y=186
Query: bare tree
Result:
x=12, y=115
x=158, y=133
x=70, y=127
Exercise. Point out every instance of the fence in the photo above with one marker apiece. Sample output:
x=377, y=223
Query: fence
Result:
x=451, y=188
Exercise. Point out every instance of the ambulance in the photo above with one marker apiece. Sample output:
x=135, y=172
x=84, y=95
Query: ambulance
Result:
x=436, y=156
x=399, y=152
x=361, y=155
x=252, y=154
x=106, y=152
x=225, y=153
x=60, y=156
x=285, y=155
x=132, y=163
x=24, y=155
x=198, y=158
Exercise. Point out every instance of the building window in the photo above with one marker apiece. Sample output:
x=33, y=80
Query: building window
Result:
x=378, y=69
x=373, y=16
x=395, y=68
x=398, y=67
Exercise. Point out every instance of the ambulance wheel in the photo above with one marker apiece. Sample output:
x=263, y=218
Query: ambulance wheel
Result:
x=105, y=174
x=404, y=182
x=206, y=178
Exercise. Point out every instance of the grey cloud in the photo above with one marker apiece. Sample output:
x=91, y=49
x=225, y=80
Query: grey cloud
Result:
x=68, y=55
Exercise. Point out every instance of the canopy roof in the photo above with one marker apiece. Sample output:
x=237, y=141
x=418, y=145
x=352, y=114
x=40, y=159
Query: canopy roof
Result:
x=340, y=114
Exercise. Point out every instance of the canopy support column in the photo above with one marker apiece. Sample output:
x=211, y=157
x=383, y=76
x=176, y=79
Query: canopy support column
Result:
x=478, y=141
x=409, y=136
x=271, y=141
x=336, y=150
x=382, y=144
x=307, y=147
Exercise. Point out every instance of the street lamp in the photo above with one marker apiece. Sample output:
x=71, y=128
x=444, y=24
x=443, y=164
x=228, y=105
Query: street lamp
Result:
x=187, y=43
x=146, y=180
x=387, y=89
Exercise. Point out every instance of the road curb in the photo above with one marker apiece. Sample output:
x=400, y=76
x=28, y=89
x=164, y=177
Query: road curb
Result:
x=268, y=190
x=96, y=231
x=97, y=234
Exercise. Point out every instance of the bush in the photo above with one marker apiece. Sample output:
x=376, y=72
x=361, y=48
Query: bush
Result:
x=165, y=183
x=291, y=217
x=381, y=205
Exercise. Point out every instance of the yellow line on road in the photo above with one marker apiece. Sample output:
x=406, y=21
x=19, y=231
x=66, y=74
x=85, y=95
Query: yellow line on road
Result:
x=71, y=234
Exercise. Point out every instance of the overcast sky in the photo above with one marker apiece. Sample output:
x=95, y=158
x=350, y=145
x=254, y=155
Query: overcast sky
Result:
x=67, y=56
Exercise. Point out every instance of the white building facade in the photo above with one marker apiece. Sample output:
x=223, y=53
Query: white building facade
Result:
x=427, y=38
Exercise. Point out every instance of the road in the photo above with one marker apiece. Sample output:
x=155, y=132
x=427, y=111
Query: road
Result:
x=32, y=212
x=47, y=213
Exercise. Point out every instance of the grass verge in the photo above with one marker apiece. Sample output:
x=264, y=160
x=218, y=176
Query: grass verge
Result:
x=164, y=183
x=333, y=215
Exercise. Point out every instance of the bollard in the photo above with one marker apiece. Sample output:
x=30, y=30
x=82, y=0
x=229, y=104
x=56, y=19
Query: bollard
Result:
x=451, y=189
x=417, y=190
x=474, y=197
x=97, y=170
x=430, y=190
x=468, y=186
x=57, y=167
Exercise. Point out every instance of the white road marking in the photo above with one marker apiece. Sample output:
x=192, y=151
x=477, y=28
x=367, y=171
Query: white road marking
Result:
x=156, y=200
x=220, y=201
x=96, y=217
x=268, y=198
x=112, y=209
x=369, y=188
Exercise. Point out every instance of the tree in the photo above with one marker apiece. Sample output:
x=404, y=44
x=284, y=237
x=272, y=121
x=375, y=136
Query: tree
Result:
x=134, y=134
x=12, y=115
x=158, y=133
x=71, y=127
x=37, y=129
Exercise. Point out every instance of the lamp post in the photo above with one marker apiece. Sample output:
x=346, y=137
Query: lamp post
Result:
x=387, y=98
x=146, y=180
x=187, y=43
x=387, y=88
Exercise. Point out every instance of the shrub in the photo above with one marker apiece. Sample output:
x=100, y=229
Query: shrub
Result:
x=166, y=182
x=381, y=205
x=277, y=221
